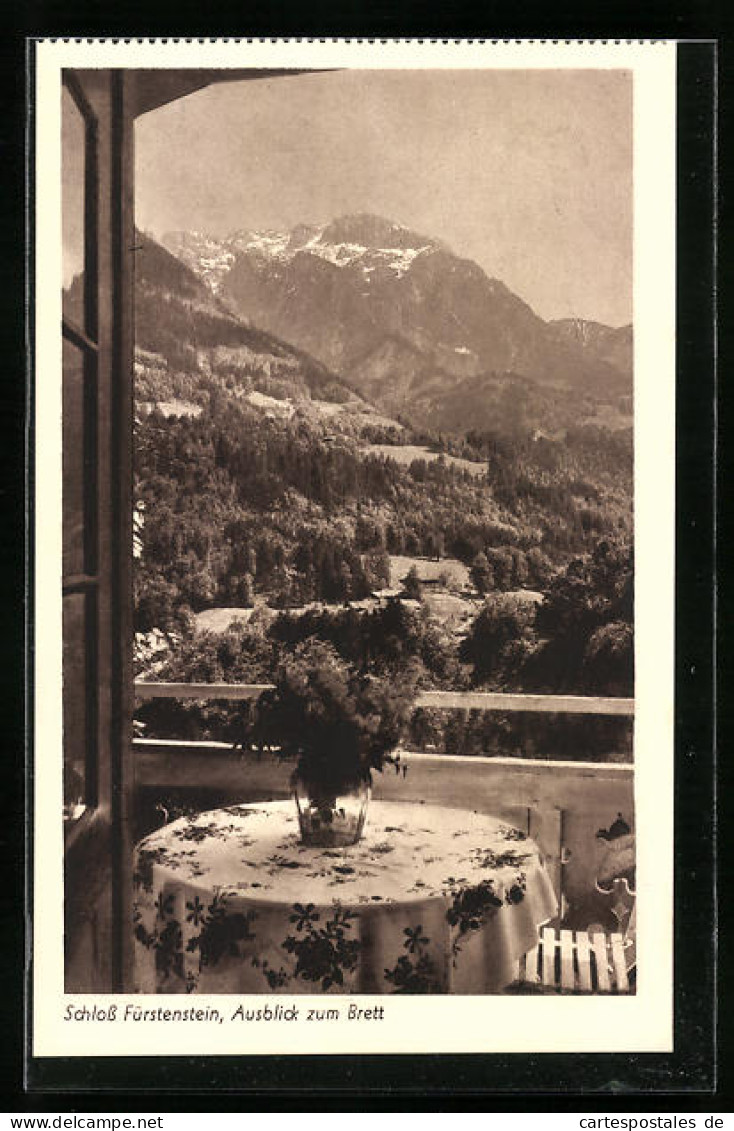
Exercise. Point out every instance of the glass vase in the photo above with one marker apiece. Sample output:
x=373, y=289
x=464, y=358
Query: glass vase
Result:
x=329, y=820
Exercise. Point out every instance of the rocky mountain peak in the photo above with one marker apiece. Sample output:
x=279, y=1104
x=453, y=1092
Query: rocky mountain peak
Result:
x=371, y=231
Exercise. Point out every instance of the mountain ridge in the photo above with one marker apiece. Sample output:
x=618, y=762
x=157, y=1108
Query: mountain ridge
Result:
x=285, y=244
x=344, y=290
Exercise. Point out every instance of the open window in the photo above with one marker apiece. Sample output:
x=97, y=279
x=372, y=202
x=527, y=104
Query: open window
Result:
x=96, y=523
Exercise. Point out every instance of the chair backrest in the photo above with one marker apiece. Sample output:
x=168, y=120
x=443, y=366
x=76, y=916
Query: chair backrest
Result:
x=616, y=860
x=615, y=878
x=620, y=899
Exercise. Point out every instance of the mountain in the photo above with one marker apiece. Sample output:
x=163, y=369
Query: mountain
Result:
x=598, y=341
x=193, y=343
x=400, y=317
x=177, y=317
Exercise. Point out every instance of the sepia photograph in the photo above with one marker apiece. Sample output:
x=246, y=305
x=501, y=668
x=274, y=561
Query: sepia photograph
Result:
x=353, y=672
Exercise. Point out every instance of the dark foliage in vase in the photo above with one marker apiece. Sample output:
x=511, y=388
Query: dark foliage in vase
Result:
x=338, y=723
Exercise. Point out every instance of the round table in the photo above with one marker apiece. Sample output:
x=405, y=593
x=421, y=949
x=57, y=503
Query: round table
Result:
x=431, y=900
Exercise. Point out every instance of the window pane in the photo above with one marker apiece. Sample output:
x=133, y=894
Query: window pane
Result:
x=78, y=465
x=73, y=173
x=78, y=712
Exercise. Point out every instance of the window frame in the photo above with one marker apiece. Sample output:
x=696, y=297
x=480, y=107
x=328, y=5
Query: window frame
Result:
x=85, y=339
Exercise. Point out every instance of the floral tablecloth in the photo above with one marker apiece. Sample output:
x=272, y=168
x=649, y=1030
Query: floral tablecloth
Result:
x=431, y=900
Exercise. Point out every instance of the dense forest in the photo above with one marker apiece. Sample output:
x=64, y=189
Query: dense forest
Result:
x=236, y=504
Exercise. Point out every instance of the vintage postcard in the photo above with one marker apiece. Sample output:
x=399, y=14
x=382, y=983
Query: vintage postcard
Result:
x=354, y=463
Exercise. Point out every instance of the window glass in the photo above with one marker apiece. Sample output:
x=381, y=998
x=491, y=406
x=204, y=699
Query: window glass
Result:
x=73, y=172
x=77, y=460
x=76, y=704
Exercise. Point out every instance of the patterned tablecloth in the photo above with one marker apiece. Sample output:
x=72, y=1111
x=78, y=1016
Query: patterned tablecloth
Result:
x=431, y=900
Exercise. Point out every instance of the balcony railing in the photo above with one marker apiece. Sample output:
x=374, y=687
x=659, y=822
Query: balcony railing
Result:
x=561, y=804
x=449, y=700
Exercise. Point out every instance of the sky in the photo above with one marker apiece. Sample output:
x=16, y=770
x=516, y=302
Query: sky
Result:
x=529, y=173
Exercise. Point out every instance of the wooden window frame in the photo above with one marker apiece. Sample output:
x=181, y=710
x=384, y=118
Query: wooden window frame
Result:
x=84, y=338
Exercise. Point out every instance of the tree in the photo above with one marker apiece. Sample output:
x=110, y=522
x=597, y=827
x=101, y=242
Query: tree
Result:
x=481, y=574
x=199, y=587
x=502, y=566
x=368, y=534
x=156, y=602
x=539, y=567
x=609, y=660
x=520, y=567
x=426, y=728
x=435, y=545
x=412, y=585
x=247, y=591
x=454, y=732
x=587, y=622
x=346, y=583
x=393, y=539
x=360, y=585
x=377, y=568
x=500, y=639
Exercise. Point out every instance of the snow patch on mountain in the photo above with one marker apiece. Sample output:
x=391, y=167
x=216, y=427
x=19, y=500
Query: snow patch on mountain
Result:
x=212, y=258
x=340, y=254
x=272, y=244
x=397, y=260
